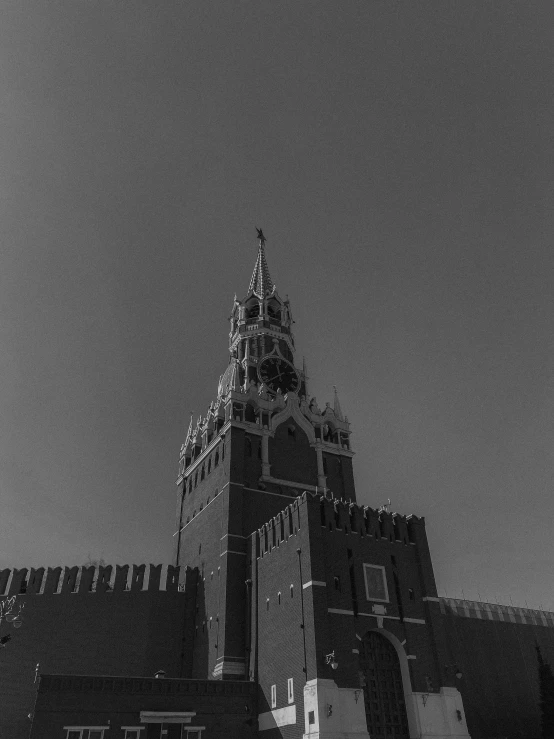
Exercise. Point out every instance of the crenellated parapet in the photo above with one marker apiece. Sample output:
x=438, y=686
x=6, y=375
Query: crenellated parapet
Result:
x=89, y=579
x=339, y=516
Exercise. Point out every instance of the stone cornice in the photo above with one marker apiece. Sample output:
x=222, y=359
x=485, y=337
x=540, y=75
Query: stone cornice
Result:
x=143, y=685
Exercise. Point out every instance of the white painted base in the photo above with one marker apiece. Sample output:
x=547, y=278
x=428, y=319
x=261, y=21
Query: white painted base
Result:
x=337, y=713
x=440, y=715
x=278, y=717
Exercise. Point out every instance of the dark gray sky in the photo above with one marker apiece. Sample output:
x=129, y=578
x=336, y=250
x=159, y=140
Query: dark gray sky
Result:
x=399, y=158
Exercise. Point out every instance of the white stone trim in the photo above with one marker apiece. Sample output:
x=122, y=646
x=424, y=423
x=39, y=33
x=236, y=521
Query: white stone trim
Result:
x=232, y=551
x=314, y=582
x=278, y=717
x=367, y=565
x=166, y=717
x=347, y=719
x=431, y=598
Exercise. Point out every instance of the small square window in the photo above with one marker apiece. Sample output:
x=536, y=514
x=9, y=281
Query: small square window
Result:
x=74, y=734
x=376, y=583
x=274, y=696
x=290, y=690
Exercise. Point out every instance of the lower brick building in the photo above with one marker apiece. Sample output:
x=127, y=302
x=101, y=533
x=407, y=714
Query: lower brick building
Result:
x=289, y=611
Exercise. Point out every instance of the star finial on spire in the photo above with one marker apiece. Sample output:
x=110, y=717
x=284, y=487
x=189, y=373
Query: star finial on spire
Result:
x=261, y=237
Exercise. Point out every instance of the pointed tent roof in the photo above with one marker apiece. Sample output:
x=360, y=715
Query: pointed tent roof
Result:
x=261, y=283
x=336, y=405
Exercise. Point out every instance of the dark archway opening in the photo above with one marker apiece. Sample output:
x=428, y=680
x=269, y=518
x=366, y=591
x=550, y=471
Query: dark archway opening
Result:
x=381, y=680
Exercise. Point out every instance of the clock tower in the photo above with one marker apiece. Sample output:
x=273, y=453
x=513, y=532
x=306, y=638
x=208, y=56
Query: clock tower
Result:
x=262, y=443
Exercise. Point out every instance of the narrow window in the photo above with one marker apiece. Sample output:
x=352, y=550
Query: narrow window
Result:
x=274, y=696
x=292, y=591
x=190, y=485
x=337, y=583
x=290, y=690
x=311, y=717
x=411, y=594
x=199, y=548
x=248, y=445
x=203, y=473
x=292, y=432
x=325, y=467
x=279, y=598
x=216, y=459
x=209, y=465
x=196, y=480
x=267, y=605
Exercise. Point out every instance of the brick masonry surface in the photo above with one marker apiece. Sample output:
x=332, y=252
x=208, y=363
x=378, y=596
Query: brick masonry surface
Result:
x=499, y=664
x=227, y=709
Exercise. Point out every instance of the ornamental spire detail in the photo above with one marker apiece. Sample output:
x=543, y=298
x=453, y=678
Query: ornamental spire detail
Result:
x=261, y=283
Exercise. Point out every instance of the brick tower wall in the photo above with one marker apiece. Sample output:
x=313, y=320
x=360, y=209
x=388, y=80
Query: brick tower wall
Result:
x=335, y=539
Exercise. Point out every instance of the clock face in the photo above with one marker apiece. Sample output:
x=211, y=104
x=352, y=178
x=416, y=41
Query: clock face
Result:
x=277, y=373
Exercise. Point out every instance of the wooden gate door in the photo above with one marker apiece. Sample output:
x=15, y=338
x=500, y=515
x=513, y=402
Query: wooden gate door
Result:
x=381, y=680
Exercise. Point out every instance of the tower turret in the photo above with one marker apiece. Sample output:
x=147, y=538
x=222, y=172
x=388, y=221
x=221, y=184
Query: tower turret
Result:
x=262, y=442
x=261, y=339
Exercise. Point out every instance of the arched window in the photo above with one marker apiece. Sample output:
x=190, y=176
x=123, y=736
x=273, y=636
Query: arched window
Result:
x=292, y=591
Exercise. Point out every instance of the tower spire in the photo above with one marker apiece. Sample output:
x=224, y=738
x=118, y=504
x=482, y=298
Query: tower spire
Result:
x=336, y=405
x=261, y=283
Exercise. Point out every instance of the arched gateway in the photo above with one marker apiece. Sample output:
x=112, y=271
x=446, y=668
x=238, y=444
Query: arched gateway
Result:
x=381, y=680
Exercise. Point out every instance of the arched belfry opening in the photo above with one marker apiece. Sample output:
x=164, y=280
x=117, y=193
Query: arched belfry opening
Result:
x=383, y=684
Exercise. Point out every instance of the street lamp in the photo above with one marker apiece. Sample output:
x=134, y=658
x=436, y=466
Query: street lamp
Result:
x=330, y=660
